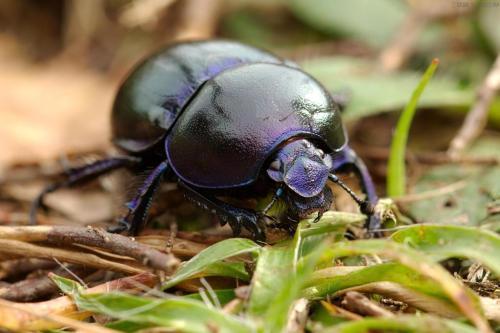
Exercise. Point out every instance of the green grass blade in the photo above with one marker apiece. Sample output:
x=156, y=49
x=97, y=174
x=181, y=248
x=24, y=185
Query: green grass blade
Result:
x=181, y=314
x=213, y=255
x=331, y=280
x=402, y=323
x=282, y=270
x=396, y=173
x=440, y=242
x=465, y=300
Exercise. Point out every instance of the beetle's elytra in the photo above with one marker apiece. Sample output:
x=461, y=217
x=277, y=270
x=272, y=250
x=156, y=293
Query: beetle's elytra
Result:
x=220, y=117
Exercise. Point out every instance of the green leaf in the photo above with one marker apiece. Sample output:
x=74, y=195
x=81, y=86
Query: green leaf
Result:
x=402, y=323
x=332, y=224
x=212, y=256
x=372, y=91
x=283, y=269
x=276, y=315
x=332, y=280
x=224, y=296
x=184, y=314
x=274, y=266
x=440, y=242
x=181, y=314
x=396, y=173
x=373, y=22
x=465, y=300
x=471, y=190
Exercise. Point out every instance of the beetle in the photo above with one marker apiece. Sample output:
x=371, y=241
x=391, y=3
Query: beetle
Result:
x=223, y=118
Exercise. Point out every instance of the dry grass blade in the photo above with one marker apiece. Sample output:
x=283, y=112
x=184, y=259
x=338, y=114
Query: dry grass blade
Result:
x=23, y=249
x=13, y=323
x=39, y=316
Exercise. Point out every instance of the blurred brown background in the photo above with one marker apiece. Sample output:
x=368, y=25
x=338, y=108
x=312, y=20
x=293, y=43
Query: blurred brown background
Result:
x=61, y=62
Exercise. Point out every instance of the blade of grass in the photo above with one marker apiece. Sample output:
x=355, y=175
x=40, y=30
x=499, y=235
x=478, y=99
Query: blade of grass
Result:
x=283, y=269
x=465, y=300
x=402, y=323
x=213, y=255
x=445, y=241
x=396, y=175
x=176, y=313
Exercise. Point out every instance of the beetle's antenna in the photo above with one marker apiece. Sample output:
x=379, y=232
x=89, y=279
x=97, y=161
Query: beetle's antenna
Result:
x=365, y=206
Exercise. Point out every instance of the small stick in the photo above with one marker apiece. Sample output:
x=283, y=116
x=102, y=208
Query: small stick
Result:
x=89, y=236
x=380, y=153
x=359, y=303
x=23, y=266
x=477, y=117
x=24, y=249
x=33, y=289
x=453, y=187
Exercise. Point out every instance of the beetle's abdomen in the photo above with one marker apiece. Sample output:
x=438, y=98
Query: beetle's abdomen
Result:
x=156, y=91
x=239, y=118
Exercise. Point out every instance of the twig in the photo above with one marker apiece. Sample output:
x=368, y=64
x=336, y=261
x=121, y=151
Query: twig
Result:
x=199, y=19
x=477, y=117
x=421, y=14
x=69, y=236
x=359, y=303
x=380, y=153
x=432, y=193
x=33, y=289
x=338, y=311
x=40, y=316
x=404, y=43
x=145, y=13
x=179, y=247
x=18, y=248
x=23, y=266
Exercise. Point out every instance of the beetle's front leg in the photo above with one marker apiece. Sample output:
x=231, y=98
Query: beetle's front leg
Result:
x=236, y=217
x=138, y=207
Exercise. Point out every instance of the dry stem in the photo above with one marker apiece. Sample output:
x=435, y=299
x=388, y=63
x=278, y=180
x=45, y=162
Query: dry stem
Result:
x=477, y=117
x=69, y=236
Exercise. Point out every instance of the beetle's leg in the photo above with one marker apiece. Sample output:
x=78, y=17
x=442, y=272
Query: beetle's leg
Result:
x=276, y=196
x=81, y=175
x=139, y=206
x=235, y=216
x=347, y=159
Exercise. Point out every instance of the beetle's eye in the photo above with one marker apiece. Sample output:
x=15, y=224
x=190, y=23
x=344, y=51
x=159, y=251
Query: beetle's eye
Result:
x=275, y=165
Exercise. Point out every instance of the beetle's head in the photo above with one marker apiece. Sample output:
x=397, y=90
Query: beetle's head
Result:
x=303, y=169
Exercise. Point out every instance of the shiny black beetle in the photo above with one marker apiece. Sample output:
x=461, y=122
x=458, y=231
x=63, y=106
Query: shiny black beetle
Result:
x=223, y=118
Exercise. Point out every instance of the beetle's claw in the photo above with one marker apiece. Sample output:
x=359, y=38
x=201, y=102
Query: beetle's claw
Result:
x=250, y=220
x=235, y=226
x=121, y=226
x=373, y=225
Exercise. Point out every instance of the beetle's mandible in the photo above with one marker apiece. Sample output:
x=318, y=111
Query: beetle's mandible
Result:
x=222, y=118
